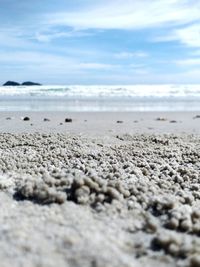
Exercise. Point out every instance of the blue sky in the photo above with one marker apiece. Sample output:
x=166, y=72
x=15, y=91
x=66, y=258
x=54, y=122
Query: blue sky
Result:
x=100, y=41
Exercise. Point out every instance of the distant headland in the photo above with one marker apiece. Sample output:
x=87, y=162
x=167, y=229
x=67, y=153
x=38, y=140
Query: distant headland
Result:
x=12, y=83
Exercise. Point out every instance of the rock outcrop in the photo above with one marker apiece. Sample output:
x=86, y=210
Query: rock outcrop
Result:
x=30, y=83
x=11, y=83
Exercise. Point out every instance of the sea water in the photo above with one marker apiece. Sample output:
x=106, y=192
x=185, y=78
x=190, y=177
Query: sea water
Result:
x=100, y=98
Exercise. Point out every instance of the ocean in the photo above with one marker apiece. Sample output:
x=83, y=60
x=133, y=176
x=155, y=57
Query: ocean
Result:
x=100, y=98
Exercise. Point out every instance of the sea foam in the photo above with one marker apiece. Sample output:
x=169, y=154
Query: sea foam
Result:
x=100, y=98
x=100, y=91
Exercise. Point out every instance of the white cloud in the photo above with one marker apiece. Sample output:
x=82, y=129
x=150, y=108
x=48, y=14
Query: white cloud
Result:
x=97, y=66
x=179, y=19
x=188, y=62
x=189, y=36
x=42, y=36
x=129, y=14
x=128, y=55
x=31, y=58
x=173, y=15
x=113, y=14
x=51, y=63
x=196, y=53
x=59, y=69
x=11, y=38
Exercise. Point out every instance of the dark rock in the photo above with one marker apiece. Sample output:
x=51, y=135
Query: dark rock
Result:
x=30, y=83
x=46, y=119
x=197, y=117
x=119, y=121
x=68, y=120
x=26, y=119
x=161, y=119
x=11, y=83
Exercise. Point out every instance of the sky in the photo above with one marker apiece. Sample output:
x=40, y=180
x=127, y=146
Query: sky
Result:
x=100, y=41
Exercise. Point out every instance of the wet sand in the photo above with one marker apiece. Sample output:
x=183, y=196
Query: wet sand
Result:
x=101, y=123
x=119, y=189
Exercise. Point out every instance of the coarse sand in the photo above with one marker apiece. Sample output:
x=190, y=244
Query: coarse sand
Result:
x=71, y=200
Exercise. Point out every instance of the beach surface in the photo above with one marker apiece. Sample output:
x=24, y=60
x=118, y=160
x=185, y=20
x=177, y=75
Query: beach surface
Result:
x=100, y=124
x=99, y=189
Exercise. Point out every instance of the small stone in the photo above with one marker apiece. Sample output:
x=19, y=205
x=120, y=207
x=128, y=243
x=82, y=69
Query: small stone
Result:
x=46, y=119
x=26, y=119
x=196, y=117
x=161, y=119
x=67, y=120
x=119, y=121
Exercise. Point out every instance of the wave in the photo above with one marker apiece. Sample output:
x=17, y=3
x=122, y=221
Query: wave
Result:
x=103, y=91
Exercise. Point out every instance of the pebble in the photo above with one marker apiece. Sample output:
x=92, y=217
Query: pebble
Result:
x=26, y=119
x=46, y=119
x=196, y=117
x=68, y=120
x=161, y=119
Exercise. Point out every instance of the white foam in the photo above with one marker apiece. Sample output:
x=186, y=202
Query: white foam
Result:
x=101, y=91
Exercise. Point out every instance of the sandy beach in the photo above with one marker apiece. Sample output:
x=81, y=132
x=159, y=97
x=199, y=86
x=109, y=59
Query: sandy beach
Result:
x=101, y=124
x=99, y=189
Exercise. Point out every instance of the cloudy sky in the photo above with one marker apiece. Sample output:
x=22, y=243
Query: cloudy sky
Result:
x=100, y=41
